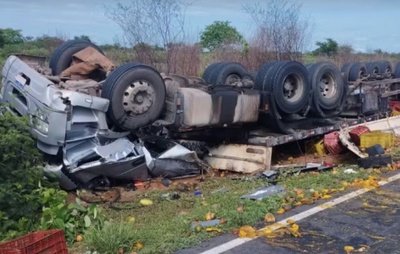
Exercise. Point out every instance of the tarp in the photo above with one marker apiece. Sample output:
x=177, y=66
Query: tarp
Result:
x=86, y=61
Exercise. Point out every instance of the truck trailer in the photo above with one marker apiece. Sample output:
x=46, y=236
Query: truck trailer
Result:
x=99, y=122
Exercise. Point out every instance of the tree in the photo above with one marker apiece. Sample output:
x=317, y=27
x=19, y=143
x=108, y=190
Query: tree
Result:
x=218, y=34
x=329, y=48
x=82, y=37
x=151, y=22
x=11, y=36
x=280, y=28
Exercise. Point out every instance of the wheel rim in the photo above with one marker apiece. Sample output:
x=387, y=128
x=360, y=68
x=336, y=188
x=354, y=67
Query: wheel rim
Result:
x=375, y=70
x=292, y=88
x=387, y=70
x=232, y=79
x=138, y=98
x=327, y=86
x=361, y=73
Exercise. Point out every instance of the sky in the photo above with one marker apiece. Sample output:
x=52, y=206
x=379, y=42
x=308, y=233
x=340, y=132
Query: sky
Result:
x=365, y=24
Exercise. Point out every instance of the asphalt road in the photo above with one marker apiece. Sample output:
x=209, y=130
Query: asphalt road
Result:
x=370, y=221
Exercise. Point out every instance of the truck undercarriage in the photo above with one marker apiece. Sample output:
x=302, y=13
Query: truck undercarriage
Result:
x=131, y=122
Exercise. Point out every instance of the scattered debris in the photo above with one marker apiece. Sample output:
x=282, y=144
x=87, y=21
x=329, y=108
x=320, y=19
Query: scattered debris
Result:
x=270, y=174
x=221, y=190
x=166, y=182
x=138, y=246
x=375, y=161
x=266, y=192
x=280, y=211
x=170, y=196
x=375, y=150
x=357, y=132
x=247, y=232
x=344, y=138
x=146, y=202
x=169, y=159
x=348, y=249
x=350, y=171
x=210, y=216
x=204, y=224
x=332, y=143
x=213, y=229
x=269, y=217
x=239, y=158
x=240, y=208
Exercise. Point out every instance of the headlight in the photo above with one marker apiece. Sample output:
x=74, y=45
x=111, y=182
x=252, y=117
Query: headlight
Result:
x=40, y=122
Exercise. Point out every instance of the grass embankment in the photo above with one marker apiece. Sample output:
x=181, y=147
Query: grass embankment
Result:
x=165, y=226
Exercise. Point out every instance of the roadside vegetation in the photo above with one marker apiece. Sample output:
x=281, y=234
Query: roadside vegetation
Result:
x=165, y=225
x=160, y=221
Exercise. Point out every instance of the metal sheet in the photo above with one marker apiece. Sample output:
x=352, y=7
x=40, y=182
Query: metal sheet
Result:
x=115, y=151
x=173, y=162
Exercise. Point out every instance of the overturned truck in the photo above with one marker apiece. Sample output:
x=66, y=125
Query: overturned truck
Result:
x=101, y=123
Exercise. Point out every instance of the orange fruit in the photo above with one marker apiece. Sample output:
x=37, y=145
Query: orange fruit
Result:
x=79, y=238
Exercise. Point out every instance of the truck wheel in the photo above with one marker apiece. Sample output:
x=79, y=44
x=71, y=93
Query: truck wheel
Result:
x=290, y=86
x=209, y=70
x=309, y=65
x=61, y=58
x=261, y=76
x=373, y=68
x=137, y=95
x=345, y=71
x=397, y=70
x=385, y=67
x=327, y=84
x=229, y=72
x=253, y=74
x=357, y=71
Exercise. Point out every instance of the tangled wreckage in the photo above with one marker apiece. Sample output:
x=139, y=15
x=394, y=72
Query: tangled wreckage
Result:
x=101, y=123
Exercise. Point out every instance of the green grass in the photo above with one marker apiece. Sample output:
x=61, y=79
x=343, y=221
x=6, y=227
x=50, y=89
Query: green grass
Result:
x=164, y=227
x=110, y=238
x=331, y=179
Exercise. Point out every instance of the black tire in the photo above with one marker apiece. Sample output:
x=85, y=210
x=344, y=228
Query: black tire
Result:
x=253, y=74
x=357, y=71
x=115, y=89
x=373, y=68
x=397, y=70
x=61, y=58
x=262, y=75
x=345, y=71
x=309, y=66
x=209, y=70
x=331, y=95
x=225, y=72
x=290, y=73
x=385, y=67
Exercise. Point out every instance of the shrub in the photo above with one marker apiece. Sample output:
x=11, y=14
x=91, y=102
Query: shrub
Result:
x=20, y=173
x=74, y=218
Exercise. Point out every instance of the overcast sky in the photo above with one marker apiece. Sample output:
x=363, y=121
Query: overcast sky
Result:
x=365, y=24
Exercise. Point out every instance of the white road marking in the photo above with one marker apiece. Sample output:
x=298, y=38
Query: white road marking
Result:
x=239, y=241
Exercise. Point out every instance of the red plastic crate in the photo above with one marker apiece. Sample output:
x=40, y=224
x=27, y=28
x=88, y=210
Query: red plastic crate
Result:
x=356, y=133
x=332, y=143
x=394, y=105
x=41, y=242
